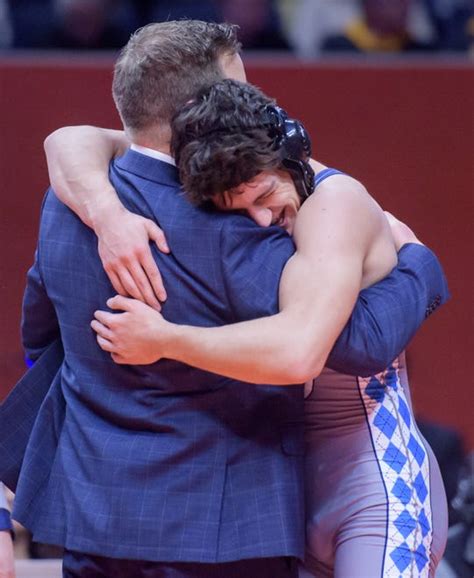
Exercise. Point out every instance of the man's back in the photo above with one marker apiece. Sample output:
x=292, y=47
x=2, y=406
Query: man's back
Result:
x=164, y=462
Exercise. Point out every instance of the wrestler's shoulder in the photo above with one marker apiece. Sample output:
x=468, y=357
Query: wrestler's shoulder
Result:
x=340, y=190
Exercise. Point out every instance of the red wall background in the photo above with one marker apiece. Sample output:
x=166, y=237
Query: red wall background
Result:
x=405, y=130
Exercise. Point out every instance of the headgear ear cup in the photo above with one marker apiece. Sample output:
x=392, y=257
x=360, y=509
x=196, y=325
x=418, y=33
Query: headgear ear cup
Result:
x=305, y=139
x=295, y=145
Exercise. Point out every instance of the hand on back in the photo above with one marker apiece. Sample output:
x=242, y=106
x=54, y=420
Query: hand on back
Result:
x=136, y=336
x=125, y=251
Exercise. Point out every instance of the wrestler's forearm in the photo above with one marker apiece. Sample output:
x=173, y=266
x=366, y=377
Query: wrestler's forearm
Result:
x=78, y=161
x=287, y=348
x=258, y=351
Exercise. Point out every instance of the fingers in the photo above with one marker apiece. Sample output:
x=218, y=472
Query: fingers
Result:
x=140, y=279
x=128, y=282
x=115, y=280
x=157, y=235
x=117, y=302
x=154, y=276
x=105, y=337
x=102, y=330
x=144, y=286
x=128, y=259
x=106, y=318
x=124, y=248
x=105, y=344
x=118, y=358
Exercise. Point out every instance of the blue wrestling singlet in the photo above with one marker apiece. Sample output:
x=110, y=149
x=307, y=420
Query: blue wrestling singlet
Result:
x=375, y=501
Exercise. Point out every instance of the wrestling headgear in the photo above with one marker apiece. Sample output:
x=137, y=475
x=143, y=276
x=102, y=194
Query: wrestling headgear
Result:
x=292, y=139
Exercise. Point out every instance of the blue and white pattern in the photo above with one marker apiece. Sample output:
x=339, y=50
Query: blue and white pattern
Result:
x=404, y=466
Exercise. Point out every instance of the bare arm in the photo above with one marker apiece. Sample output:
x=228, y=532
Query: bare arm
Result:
x=78, y=160
x=318, y=290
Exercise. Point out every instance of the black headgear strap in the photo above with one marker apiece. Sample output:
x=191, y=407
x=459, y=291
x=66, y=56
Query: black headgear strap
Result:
x=292, y=139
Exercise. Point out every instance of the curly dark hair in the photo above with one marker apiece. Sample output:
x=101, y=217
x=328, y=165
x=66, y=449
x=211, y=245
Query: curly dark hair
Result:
x=222, y=139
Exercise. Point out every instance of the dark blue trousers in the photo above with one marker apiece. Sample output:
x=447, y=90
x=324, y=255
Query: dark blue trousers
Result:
x=79, y=565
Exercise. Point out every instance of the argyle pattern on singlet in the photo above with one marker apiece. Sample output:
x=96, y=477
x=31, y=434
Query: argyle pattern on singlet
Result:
x=404, y=467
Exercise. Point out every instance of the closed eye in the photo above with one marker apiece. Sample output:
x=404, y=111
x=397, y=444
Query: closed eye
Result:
x=264, y=197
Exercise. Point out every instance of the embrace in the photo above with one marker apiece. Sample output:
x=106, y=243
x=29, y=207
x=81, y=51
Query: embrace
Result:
x=243, y=409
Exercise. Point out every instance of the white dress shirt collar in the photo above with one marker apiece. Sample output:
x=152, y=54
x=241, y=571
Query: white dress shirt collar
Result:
x=153, y=153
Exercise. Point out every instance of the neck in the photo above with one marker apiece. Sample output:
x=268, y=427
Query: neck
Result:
x=154, y=145
x=157, y=138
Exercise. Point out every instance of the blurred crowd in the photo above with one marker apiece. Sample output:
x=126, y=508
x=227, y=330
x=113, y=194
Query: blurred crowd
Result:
x=304, y=27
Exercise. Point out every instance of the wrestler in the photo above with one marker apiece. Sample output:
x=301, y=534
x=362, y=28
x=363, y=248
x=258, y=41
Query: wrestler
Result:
x=371, y=479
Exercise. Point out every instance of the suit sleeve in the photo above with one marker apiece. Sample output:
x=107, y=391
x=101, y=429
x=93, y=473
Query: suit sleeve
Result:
x=39, y=323
x=388, y=314
x=385, y=316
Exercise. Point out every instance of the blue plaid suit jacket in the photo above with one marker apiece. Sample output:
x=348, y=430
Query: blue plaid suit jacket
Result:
x=166, y=462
